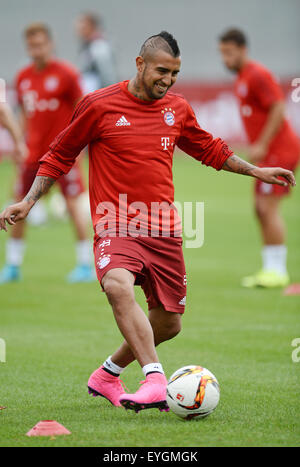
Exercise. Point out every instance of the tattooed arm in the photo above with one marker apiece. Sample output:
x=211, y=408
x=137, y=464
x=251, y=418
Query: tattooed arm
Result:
x=17, y=212
x=40, y=186
x=266, y=174
x=238, y=165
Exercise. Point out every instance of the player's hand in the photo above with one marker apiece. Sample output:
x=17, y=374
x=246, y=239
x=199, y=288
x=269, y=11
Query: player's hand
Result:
x=20, y=152
x=257, y=152
x=14, y=213
x=271, y=174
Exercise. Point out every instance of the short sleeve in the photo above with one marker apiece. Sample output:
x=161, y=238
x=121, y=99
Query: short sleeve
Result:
x=265, y=88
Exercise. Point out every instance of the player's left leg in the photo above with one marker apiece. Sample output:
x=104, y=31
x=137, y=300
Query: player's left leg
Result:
x=165, y=325
x=118, y=284
x=274, y=251
x=72, y=187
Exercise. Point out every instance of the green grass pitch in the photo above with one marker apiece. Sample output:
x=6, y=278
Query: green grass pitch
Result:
x=56, y=334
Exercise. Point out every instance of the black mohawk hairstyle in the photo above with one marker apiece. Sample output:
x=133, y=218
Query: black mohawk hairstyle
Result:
x=164, y=40
x=171, y=41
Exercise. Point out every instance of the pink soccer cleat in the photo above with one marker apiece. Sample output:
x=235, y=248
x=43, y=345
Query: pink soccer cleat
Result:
x=152, y=394
x=101, y=383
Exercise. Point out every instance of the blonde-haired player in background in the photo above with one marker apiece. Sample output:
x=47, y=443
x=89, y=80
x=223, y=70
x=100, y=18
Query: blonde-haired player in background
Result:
x=48, y=90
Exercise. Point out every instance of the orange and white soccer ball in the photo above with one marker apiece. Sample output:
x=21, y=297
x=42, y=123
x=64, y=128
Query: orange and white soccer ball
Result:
x=193, y=392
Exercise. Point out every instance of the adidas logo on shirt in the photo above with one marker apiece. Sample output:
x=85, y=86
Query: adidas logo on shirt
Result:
x=123, y=122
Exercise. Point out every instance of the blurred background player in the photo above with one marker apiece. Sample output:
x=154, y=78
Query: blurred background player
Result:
x=8, y=121
x=47, y=90
x=96, y=57
x=273, y=143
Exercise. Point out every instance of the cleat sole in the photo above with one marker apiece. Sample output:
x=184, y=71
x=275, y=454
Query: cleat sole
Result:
x=137, y=407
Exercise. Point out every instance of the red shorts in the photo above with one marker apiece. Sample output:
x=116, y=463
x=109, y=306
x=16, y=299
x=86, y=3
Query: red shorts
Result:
x=71, y=184
x=289, y=163
x=157, y=264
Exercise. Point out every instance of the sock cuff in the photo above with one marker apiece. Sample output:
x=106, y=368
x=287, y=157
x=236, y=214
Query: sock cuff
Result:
x=274, y=258
x=112, y=367
x=153, y=368
x=274, y=248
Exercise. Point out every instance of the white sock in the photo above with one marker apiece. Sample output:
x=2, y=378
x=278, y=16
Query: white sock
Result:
x=113, y=367
x=15, y=251
x=274, y=258
x=84, y=252
x=153, y=368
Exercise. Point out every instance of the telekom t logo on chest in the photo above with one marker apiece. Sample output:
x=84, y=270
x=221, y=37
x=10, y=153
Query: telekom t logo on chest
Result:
x=165, y=142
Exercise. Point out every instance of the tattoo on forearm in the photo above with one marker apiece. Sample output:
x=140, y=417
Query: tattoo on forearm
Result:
x=235, y=164
x=40, y=186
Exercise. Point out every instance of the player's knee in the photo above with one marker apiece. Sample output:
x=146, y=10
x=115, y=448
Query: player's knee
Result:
x=117, y=290
x=173, y=330
x=166, y=331
x=261, y=211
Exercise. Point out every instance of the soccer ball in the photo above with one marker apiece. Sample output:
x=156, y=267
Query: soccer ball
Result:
x=193, y=392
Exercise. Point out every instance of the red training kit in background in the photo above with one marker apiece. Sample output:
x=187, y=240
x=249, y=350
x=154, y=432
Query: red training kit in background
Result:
x=131, y=145
x=48, y=97
x=257, y=90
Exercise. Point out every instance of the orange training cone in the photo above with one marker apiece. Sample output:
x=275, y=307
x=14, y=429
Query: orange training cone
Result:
x=48, y=428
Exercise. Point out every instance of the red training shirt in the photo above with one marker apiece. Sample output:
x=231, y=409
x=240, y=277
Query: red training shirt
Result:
x=257, y=90
x=131, y=145
x=48, y=97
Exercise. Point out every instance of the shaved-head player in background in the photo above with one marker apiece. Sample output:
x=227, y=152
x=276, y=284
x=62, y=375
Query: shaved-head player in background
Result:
x=132, y=129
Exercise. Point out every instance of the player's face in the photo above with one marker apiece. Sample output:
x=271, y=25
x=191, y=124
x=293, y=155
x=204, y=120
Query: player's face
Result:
x=232, y=54
x=84, y=28
x=39, y=48
x=158, y=73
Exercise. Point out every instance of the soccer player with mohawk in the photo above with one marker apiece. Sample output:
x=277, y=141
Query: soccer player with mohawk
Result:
x=132, y=129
